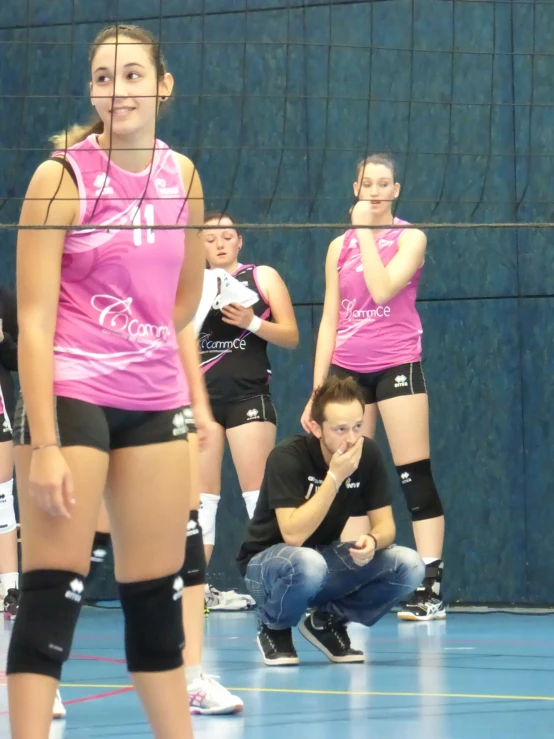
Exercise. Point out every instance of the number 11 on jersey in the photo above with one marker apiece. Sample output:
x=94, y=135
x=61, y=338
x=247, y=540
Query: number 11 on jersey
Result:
x=138, y=225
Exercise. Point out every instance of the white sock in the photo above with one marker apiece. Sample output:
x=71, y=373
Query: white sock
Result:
x=192, y=673
x=250, y=499
x=430, y=560
x=9, y=580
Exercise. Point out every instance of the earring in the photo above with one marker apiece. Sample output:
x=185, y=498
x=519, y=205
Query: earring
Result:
x=163, y=99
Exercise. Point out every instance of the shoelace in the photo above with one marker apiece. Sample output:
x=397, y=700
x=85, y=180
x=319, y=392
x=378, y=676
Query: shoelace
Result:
x=343, y=639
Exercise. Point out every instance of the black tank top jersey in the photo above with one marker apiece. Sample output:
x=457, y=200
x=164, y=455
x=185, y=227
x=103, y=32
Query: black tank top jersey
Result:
x=234, y=360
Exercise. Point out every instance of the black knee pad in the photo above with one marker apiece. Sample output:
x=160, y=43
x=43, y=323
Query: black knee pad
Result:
x=154, y=636
x=419, y=490
x=194, y=569
x=43, y=631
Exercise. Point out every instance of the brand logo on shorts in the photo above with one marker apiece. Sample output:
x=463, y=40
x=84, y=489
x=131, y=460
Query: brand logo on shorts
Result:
x=98, y=555
x=6, y=426
x=179, y=424
x=178, y=586
x=164, y=191
x=252, y=414
x=102, y=183
x=405, y=477
x=75, y=591
x=192, y=528
x=400, y=381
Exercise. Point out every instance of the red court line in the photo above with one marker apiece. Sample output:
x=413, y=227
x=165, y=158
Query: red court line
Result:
x=94, y=658
x=95, y=697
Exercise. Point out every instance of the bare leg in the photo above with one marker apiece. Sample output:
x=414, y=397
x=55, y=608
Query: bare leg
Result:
x=250, y=445
x=406, y=421
x=193, y=598
x=210, y=462
x=50, y=543
x=149, y=543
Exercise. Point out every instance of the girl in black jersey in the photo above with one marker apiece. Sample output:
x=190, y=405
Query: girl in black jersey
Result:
x=233, y=342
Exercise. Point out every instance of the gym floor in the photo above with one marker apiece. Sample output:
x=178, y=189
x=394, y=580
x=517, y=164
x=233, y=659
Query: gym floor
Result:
x=470, y=676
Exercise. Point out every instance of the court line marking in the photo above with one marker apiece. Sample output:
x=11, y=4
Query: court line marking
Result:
x=84, y=699
x=307, y=691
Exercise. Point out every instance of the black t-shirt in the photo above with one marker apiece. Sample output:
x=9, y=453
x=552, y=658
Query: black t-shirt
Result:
x=294, y=471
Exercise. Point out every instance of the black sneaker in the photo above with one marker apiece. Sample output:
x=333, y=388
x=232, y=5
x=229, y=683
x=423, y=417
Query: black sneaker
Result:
x=11, y=604
x=328, y=633
x=426, y=603
x=276, y=646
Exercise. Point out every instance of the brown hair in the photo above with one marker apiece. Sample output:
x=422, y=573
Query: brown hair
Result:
x=335, y=390
x=217, y=215
x=78, y=132
x=383, y=159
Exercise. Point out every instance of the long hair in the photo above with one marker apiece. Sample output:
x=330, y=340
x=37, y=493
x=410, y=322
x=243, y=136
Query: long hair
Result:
x=79, y=132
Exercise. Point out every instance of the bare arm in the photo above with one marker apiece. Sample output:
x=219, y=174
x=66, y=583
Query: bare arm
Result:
x=382, y=526
x=190, y=359
x=189, y=290
x=329, y=320
x=298, y=524
x=282, y=330
x=383, y=282
x=39, y=256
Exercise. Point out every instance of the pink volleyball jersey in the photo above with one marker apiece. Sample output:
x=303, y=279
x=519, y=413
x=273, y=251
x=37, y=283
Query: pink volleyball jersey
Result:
x=115, y=343
x=373, y=337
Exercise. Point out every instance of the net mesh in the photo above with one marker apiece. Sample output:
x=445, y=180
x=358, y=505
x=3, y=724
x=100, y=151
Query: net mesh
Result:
x=277, y=100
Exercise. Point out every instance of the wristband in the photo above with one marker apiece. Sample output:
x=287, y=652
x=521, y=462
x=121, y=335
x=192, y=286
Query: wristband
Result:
x=337, y=486
x=375, y=540
x=36, y=447
x=254, y=325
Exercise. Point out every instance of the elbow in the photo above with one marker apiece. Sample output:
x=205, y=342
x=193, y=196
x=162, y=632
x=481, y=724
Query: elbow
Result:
x=293, y=540
x=380, y=298
x=294, y=339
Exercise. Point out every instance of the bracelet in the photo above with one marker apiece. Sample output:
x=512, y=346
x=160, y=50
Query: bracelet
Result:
x=254, y=325
x=375, y=540
x=36, y=447
x=337, y=486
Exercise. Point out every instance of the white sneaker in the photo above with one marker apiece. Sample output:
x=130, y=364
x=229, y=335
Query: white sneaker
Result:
x=210, y=698
x=59, y=708
x=227, y=600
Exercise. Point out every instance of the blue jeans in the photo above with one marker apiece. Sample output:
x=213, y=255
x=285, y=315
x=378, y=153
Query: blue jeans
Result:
x=285, y=581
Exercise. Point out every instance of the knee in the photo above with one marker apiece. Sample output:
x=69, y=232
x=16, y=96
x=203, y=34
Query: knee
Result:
x=43, y=632
x=309, y=567
x=410, y=567
x=154, y=637
x=420, y=490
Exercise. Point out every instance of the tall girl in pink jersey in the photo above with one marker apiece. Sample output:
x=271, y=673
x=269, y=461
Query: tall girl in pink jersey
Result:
x=103, y=389
x=370, y=329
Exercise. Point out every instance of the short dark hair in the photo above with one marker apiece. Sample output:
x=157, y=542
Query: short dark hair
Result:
x=335, y=390
x=217, y=215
